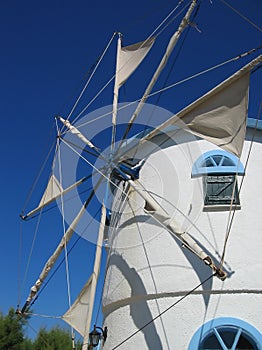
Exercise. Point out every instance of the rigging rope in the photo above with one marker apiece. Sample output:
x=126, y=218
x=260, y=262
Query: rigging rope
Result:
x=158, y=30
x=39, y=334
x=88, y=81
x=94, y=98
x=155, y=10
x=230, y=222
x=19, y=266
x=37, y=177
x=230, y=216
x=207, y=70
x=31, y=251
x=241, y=15
x=40, y=214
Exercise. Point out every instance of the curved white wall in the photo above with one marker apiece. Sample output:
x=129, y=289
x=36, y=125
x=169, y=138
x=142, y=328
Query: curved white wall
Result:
x=149, y=270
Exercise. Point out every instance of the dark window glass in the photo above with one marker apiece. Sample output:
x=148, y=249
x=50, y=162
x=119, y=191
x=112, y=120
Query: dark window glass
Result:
x=230, y=338
x=210, y=342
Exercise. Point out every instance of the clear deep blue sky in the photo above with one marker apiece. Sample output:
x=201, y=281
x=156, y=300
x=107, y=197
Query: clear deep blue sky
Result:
x=46, y=49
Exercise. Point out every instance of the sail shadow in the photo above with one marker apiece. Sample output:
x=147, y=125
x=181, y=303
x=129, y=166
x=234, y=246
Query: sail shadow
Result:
x=139, y=310
x=202, y=270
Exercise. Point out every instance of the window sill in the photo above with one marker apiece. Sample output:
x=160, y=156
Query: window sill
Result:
x=221, y=207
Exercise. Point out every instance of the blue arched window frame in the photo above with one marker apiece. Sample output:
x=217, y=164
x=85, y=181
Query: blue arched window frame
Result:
x=229, y=164
x=224, y=322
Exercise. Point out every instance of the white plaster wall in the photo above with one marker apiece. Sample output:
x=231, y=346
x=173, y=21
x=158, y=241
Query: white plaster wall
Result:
x=149, y=270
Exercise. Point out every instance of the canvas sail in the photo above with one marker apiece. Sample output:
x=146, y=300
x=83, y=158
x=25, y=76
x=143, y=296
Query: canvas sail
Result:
x=53, y=190
x=78, y=313
x=130, y=57
x=220, y=115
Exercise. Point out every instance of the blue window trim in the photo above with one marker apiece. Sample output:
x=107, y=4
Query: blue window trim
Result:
x=198, y=168
x=254, y=123
x=203, y=331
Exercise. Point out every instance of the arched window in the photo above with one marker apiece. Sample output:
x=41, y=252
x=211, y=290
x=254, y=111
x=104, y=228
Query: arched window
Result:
x=217, y=161
x=226, y=334
x=219, y=170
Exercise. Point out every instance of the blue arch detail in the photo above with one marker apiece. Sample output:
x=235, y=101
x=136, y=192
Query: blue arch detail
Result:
x=206, y=328
x=227, y=164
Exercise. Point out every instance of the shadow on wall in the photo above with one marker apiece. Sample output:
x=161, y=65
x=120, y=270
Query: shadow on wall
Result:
x=203, y=271
x=139, y=309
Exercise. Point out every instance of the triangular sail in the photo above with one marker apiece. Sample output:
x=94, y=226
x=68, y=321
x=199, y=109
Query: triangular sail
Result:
x=219, y=116
x=53, y=189
x=77, y=315
x=130, y=57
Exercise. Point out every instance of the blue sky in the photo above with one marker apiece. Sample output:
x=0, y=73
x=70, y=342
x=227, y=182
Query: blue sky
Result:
x=46, y=50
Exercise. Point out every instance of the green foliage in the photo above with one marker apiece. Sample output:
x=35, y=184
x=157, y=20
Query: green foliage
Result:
x=55, y=339
x=11, y=331
x=27, y=345
x=12, y=336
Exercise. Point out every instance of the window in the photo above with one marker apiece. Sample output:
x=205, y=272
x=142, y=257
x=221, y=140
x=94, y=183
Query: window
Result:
x=220, y=189
x=226, y=334
x=219, y=170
